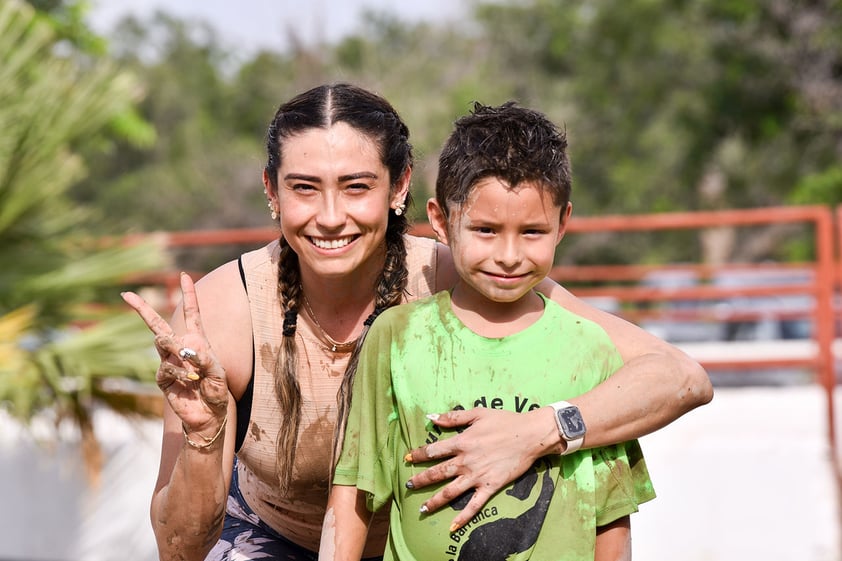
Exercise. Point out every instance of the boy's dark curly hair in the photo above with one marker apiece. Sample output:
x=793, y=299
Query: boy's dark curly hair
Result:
x=509, y=142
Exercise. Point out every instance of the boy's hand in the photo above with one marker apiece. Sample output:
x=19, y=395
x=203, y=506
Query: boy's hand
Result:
x=496, y=448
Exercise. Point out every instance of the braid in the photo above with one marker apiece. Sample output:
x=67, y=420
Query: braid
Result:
x=287, y=389
x=391, y=285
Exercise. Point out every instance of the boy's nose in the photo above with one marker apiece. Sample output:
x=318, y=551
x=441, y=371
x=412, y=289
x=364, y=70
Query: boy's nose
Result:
x=508, y=253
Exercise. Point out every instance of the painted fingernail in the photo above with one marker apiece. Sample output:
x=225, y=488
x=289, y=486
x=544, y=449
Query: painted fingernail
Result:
x=409, y=485
x=423, y=509
x=453, y=527
x=193, y=376
x=408, y=457
x=433, y=416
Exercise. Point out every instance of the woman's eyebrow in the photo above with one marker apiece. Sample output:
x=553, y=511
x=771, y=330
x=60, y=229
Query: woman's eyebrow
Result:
x=303, y=177
x=358, y=175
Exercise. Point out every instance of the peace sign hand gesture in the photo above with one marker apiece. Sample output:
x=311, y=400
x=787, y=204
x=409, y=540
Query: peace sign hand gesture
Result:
x=190, y=375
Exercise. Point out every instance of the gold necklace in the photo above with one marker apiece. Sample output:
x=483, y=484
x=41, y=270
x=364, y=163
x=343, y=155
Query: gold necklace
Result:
x=334, y=344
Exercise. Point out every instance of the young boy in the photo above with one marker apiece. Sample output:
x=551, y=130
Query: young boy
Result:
x=502, y=204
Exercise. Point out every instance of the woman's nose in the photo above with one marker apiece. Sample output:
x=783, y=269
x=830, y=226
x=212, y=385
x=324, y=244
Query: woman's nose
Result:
x=331, y=213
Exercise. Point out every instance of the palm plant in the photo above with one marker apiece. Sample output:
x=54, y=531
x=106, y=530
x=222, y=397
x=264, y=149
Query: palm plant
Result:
x=62, y=335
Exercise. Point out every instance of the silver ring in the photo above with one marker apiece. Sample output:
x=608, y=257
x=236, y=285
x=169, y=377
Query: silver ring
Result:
x=187, y=353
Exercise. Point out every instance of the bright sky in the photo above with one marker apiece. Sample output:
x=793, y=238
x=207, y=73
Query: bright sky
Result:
x=265, y=23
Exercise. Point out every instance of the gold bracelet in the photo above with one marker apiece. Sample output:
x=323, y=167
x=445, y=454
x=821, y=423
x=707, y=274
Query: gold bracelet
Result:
x=208, y=441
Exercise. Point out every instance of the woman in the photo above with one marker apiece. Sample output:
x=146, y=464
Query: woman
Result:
x=256, y=375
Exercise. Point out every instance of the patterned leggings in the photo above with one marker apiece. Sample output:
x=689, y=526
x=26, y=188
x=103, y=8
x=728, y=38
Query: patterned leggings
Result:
x=245, y=536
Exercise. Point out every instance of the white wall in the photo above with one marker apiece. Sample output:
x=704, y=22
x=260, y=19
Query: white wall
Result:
x=50, y=510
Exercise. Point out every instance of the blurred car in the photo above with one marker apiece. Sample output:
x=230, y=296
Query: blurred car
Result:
x=767, y=316
x=758, y=314
x=678, y=319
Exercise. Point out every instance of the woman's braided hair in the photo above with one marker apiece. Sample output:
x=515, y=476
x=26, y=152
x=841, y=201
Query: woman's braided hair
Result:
x=373, y=116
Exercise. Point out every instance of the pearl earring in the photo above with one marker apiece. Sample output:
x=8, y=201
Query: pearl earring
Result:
x=400, y=208
x=272, y=210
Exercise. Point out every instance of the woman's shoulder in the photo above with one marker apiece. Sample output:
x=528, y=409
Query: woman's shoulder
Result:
x=420, y=245
x=422, y=261
x=226, y=320
x=221, y=279
x=229, y=281
x=262, y=257
x=415, y=311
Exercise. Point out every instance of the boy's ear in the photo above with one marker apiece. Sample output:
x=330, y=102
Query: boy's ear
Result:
x=565, y=220
x=435, y=214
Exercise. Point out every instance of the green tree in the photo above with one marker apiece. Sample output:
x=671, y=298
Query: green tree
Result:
x=62, y=337
x=203, y=170
x=677, y=105
x=670, y=105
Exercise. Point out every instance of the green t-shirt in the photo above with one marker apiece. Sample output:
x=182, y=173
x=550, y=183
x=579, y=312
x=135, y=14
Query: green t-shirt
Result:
x=419, y=358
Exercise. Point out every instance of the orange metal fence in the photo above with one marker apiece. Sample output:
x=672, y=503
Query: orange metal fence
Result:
x=624, y=287
x=821, y=285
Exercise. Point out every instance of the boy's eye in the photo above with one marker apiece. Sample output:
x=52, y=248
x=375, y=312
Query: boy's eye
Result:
x=484, y=230
x=538, y=230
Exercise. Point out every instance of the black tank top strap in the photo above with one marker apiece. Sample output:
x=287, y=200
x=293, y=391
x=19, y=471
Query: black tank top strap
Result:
x=244, y=403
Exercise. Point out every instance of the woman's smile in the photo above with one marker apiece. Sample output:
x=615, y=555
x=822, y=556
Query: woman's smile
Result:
x=333, y=243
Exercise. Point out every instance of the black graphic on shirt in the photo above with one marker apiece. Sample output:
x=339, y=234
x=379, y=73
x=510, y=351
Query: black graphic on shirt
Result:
x=497, y=540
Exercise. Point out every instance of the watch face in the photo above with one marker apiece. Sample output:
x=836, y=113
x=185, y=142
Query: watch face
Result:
x=571, y=423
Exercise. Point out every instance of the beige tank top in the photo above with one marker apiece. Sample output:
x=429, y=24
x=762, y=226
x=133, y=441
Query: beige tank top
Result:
x=298, y=514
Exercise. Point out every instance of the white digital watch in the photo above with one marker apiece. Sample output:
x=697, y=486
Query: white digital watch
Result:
x=571, y=426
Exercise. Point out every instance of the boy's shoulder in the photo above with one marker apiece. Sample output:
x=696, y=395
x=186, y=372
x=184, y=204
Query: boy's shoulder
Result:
x=400, y=321
x=553, y=308
x=425, y=305
x=422, y=309
x=559, y=314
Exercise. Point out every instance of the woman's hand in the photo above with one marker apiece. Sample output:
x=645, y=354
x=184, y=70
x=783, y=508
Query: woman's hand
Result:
x=496, y=448
x=190, y=375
